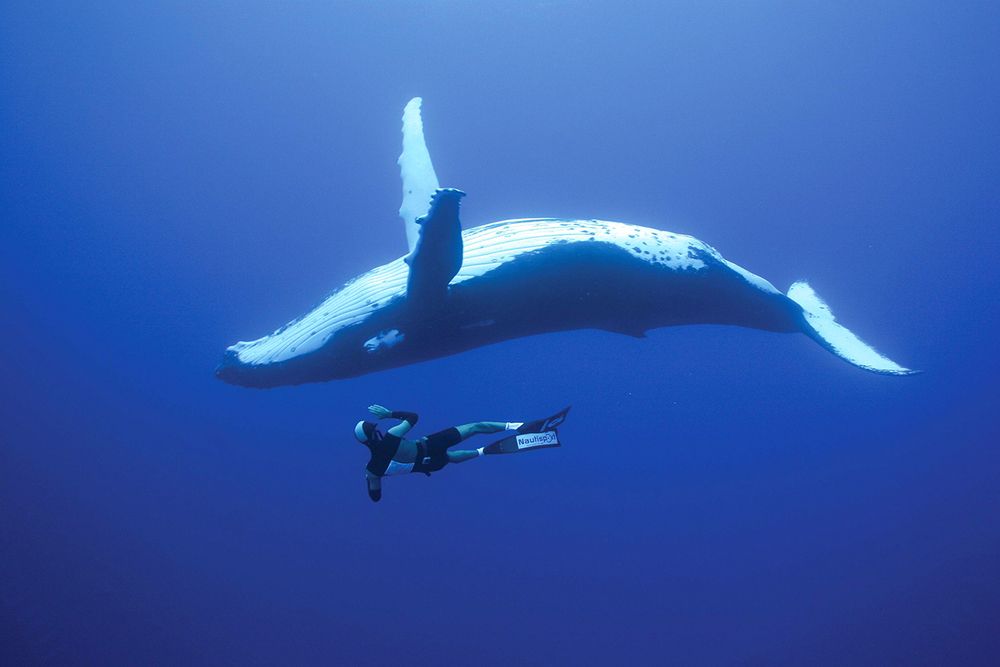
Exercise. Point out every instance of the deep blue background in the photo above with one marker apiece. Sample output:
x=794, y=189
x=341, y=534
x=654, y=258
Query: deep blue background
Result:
x=175, y=179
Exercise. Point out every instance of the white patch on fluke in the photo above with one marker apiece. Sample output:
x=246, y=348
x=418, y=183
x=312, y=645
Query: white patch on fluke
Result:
x=838, y=338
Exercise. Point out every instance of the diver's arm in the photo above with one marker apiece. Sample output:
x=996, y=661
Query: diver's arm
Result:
x=374, y=486
x=408, y=419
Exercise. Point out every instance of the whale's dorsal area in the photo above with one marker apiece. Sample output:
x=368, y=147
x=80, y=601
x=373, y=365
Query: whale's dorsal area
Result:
x=455, y=290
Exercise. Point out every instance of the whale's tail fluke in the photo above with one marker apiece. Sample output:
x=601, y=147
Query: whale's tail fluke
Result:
x=822, y=327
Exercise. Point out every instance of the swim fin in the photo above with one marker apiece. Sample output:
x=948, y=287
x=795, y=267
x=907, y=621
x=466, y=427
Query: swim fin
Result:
x=547, y=424
x=539, y=434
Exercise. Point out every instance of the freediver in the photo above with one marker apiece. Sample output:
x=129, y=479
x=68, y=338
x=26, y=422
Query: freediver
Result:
x=392, y=454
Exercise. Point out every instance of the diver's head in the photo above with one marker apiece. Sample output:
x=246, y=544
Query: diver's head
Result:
x=367, y=432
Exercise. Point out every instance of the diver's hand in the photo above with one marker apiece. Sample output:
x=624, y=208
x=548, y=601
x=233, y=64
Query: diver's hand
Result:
x=379, y=411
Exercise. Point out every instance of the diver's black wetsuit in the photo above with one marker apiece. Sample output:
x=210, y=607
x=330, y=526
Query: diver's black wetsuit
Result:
x=432, y=450
x=382, y=450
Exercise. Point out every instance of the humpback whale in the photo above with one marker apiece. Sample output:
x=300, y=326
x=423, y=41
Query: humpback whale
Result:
x=457, y=290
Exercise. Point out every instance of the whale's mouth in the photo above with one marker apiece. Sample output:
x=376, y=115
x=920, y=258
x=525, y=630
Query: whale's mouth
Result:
x=233, y=371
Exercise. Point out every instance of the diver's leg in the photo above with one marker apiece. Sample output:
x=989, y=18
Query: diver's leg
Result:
x=460, y=455
x=468, y=430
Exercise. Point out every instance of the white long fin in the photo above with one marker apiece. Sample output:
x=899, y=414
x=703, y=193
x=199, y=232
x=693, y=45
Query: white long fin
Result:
x=825, y=330
x=419, y=180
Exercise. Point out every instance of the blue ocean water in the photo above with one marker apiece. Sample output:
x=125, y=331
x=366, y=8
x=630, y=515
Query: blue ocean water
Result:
x=177, y=178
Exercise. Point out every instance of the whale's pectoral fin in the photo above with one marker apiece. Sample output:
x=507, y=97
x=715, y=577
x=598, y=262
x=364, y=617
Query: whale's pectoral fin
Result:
x=419, y=180
x=430, y=214
x=437, y=256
